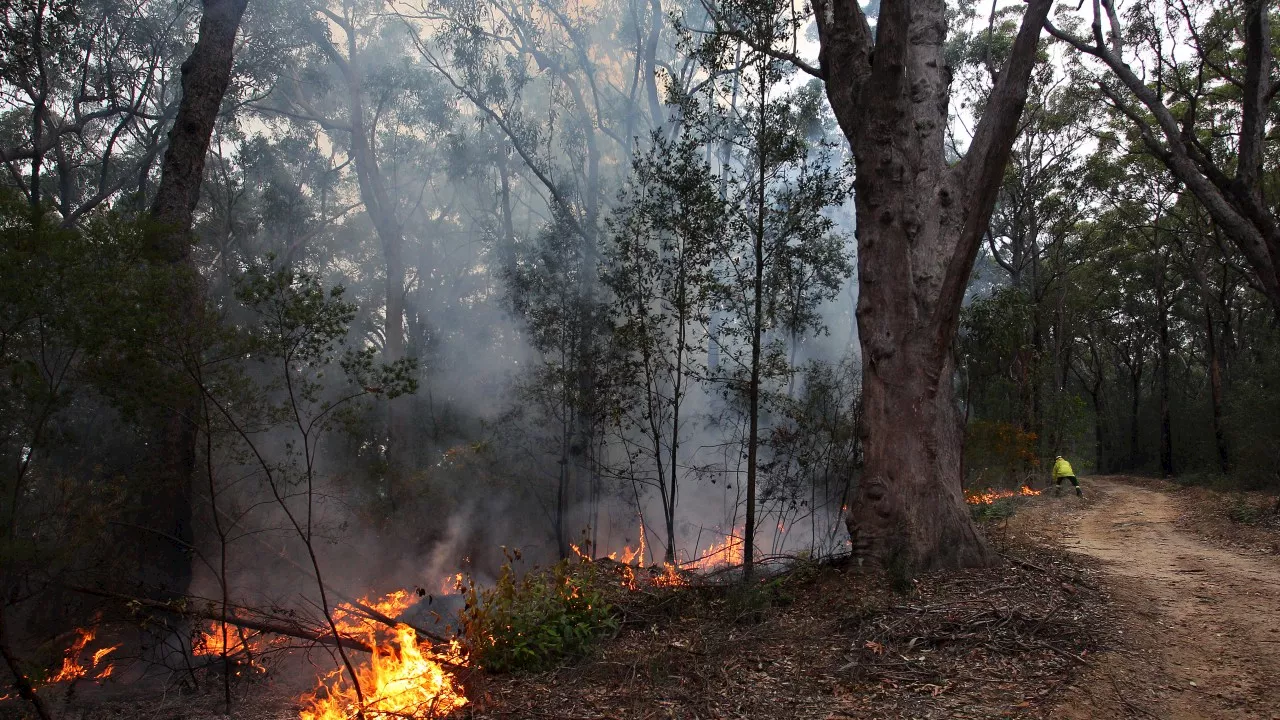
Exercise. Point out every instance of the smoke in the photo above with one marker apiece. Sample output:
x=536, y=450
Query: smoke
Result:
x=480, y=156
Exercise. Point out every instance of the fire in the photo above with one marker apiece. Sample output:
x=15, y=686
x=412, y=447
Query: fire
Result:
x=990, y=496
x=454, y=584
x=727, y=552
x=241, y=643
x=670, y=577
x=353, y=620
x=400, y=681
x=628, y=577
x=405, y=676
x=72, y=669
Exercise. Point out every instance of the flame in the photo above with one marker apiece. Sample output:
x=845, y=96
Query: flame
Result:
x=628, y=577
x=990, y=496
x=354, y=620
x=240, y=642
x=72, y=669
x=399, y=681
x=670, y=577
x=405, y=676
x=452, y=584
x=727, y=552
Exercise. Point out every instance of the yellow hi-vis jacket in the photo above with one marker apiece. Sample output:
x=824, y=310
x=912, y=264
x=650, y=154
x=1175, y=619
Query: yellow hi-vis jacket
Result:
x=1062, y=468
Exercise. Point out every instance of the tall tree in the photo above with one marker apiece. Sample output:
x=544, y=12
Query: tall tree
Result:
x=782, y=256
x=1205, y=108
x=920, y=222
x=658, y=270
x=166, y=562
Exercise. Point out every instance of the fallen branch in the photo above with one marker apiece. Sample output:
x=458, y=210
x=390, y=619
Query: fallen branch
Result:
x=273, y=625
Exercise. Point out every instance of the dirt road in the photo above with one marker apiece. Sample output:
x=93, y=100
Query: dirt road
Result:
x=1203, y=622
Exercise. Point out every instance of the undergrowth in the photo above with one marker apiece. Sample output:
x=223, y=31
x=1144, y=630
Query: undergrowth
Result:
x=1243, y=511
x=1001, y=509
x=536, y=621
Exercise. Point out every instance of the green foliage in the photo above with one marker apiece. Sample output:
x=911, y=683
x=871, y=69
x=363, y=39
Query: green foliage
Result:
x=1243, y=512
x=538, y=620
x=999, y=453
x=75, y=304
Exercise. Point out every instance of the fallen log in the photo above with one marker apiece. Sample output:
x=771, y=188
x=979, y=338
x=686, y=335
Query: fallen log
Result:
x=204, y=609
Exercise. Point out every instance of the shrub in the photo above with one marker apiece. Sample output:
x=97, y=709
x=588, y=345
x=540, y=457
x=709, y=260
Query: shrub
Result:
x=997, y=510
x=1243, y=512
x=538, y=620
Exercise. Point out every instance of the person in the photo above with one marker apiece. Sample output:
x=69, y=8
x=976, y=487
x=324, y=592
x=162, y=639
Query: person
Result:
x=1062, y=471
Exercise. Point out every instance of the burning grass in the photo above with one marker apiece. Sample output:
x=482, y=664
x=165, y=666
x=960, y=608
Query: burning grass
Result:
x=990, y=496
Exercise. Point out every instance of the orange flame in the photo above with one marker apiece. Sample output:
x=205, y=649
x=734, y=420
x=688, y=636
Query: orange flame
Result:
x=353, y=620
x=727, y=552
x=670, y=577
x=452, y=584
x=72, y=669
x=990, y=496
x=405, y=676
x=404, y=680
x=240, y=642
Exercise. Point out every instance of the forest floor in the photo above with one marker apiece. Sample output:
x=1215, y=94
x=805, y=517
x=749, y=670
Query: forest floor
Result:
x=1143, y=600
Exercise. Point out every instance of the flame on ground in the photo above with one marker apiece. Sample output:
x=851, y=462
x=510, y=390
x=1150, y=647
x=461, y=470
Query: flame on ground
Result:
x=670, y=577
x=73, y=669
x=990, y=496
x=404, y=677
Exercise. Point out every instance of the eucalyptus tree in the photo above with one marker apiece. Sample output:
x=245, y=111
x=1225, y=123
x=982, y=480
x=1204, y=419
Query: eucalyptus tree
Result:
x=782, y=257
x=658, y=267
x=165, y=553
x=1203, y=104
x=90, y=90
x=355, y=86
x=921, y=220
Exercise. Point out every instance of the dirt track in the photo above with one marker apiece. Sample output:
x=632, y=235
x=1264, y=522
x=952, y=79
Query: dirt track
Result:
x=1204, y=621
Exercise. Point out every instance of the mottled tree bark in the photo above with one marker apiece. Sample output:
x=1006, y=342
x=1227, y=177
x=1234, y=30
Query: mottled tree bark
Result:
x=920, y=222
x=165, y=556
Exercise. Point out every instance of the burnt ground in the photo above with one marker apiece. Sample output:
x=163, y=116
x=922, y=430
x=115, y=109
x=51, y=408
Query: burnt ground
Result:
x=1140, y=601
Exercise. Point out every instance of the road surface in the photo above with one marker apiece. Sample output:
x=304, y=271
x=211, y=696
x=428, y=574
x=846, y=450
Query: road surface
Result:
x=1203, y=622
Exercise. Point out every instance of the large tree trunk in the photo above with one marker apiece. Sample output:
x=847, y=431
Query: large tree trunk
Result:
x=920, y=222
x=165, y=551
x=165, y=556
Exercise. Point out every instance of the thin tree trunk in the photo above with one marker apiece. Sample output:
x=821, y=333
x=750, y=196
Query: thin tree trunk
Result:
x=1166, y=423
x=757, y=336
x=381, y=211
x=1215, y=392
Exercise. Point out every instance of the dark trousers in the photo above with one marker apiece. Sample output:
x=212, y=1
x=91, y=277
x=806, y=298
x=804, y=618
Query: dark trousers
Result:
x=1058, y=483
